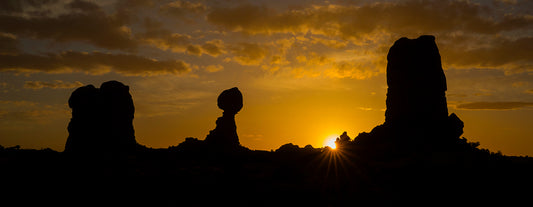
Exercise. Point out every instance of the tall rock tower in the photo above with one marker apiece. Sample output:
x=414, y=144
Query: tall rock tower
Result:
x=416, y=93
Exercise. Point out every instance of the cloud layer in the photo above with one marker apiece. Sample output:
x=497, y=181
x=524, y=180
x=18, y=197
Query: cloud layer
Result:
x=56, y=84
x=471, y=34
x=494, y=105
x=91, y=63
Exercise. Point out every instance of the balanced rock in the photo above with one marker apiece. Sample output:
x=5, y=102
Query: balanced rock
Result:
x=225, y=133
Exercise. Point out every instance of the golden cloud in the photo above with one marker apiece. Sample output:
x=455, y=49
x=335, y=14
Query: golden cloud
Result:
x=214, y=68
x=56, y=84
x=248, y=53
x=507, y=105
x=355, y=20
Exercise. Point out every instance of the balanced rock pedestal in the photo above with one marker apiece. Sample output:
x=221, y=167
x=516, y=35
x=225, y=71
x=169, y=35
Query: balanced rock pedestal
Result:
x=225, y=133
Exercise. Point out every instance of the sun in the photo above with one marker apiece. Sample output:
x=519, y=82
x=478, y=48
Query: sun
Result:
x=330, y=141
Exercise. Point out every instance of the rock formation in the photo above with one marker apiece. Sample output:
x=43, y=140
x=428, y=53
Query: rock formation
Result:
x=84, y=125
x=102, y=119
x=416, y=93
x=225, y=133
x=118, y=112
x=417, y=112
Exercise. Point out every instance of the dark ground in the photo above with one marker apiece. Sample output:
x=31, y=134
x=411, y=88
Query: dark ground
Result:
x=192, y=174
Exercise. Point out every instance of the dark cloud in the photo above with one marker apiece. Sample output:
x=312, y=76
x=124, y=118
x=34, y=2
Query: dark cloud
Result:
x=57, y=84
x=157, y=35
x=92, y=63
x=180, y=8
x=83, y=6
x=18, y=6
x=86, y=22
x=510, y=54
x=8, y=44
x=509, y=105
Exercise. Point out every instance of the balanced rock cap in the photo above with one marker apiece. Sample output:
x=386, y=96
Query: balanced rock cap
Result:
x=230, y=100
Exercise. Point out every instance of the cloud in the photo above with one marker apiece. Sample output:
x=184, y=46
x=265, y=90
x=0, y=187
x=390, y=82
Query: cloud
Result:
x=214, y=68
x=470, y=34
x=512, y=55
x=85, y=22
x=352, y=69
x=213, y=48
x=157, y=35
x=248, y=53
x=494, y=105
x=56, y=84
x=14, y=113
x=92, y=63
x=194, y=50
x=180, y=8
x=256, y=19
x=8, y=43
x=357, y=20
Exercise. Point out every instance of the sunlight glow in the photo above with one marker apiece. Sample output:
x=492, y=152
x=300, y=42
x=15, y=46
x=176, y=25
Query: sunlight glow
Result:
x=330, y=141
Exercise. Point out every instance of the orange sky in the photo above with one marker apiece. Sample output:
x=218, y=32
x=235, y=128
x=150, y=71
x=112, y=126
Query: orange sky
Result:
x=307, y=69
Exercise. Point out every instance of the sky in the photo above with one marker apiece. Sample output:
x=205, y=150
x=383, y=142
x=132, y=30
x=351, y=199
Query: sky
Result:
x=308, y=70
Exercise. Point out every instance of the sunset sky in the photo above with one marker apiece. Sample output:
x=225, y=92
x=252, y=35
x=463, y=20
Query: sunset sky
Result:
x=307, y=69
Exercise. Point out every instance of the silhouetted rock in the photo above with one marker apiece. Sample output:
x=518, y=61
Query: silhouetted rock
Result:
x=84, y=127
x=118, y=113
x=225, y=133
x=455, y=126
x=101, y=119
x=417, y=114
x=342, y=140
x=230, y=101
x=289, y=147
x=417, y=85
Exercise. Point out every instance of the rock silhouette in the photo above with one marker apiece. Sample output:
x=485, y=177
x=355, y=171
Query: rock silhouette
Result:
x=225, y=133
x=417, y=112
x=84, y=128
x=102, y=119
x=416, y=91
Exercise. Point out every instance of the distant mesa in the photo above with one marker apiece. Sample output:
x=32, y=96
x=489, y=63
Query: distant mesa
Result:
x=102, y=119
x=225, y=133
